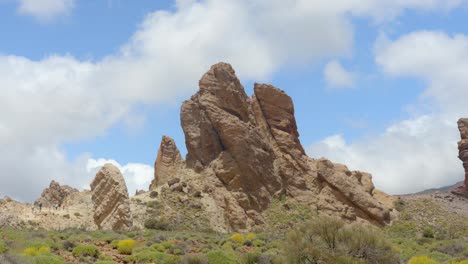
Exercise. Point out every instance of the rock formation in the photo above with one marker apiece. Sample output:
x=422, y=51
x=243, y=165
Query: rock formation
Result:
x=462, y=190
x=55, y=194
x=252, y=147
x=110, y=199
x=167, y=162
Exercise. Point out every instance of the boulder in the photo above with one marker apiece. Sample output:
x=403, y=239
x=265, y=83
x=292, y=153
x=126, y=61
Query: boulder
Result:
x=462, y=190
x=110, y=199
x=168, y=162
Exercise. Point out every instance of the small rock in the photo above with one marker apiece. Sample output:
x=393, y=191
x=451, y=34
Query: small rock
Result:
x=154, y=194
x=177, y=188
x=173, y=181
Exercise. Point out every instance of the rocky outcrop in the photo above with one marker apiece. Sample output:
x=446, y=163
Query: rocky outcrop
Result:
x=55, y=194
x=167, y=163
x=252, y=147
x=462, y=190
x=110, y=199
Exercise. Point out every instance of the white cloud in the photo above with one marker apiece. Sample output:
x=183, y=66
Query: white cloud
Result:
x=60, y=99
x=420, y=152
x=338, y=77
x=45, y=10
x=137, y=176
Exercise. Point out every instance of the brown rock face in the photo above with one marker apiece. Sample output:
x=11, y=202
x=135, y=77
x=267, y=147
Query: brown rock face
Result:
x=55, y=194
x=110, y=198
x=252, y=146
x=167, y=163
x=462, y=190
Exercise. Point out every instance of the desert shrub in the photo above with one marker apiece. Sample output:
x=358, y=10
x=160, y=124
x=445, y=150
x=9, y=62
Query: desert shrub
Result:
x=157, y=224
x=68, y=245
x=229, y=246
x=421, y=260
x=452, y=248
x=3, y=247
x=105, y=262
x=36, y=251
x=238, y=238
x=329, y=240
x=154, y=204
x=149, y=256
x=167, y=244
x=77, y=214
x=126, y=246
x=154, y=194
x=158, y=247
x=46, y=258
x=428, y=233
x=194, y=259
x=251, y=236
x=178, y=252
x=85, y=251
x=250, y=258
x=220, y=257
x=258, y=243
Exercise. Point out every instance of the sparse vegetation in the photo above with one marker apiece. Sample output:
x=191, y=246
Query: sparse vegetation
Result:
x=427, y=235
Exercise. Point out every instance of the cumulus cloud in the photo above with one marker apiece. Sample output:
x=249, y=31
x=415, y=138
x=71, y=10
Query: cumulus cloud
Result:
x=338, y=77
x=61, y=99
x=420, y=152
x=45, y=10
x=136, y=175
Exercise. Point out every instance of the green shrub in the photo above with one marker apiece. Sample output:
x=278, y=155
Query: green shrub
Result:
x=258, y=243
x=157, y=224
x=148, y=256
x=167, y=244
x=428, y=233
x=48, y=259
x=220, y=257
x=194, y=259
x=421, y=260
x=126, y=247
x=105, y=262
x=3, y=247
x=158, y=247
x=86, y=251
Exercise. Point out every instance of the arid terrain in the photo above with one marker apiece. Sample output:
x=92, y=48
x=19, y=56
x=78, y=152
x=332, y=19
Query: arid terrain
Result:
x=245, y=193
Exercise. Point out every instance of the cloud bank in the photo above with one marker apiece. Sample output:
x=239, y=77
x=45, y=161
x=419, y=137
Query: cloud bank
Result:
x=420, y=152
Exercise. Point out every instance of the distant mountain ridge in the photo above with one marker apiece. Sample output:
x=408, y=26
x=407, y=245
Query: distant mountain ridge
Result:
x=445, y=189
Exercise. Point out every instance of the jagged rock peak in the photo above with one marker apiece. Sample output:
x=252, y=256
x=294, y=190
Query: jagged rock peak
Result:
x=252, y=146
x=110, y=199
x=55, y=194
x=167, y=163
x=462, y=190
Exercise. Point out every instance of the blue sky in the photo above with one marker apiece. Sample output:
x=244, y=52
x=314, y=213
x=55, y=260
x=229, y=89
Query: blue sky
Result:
x=87, y=82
